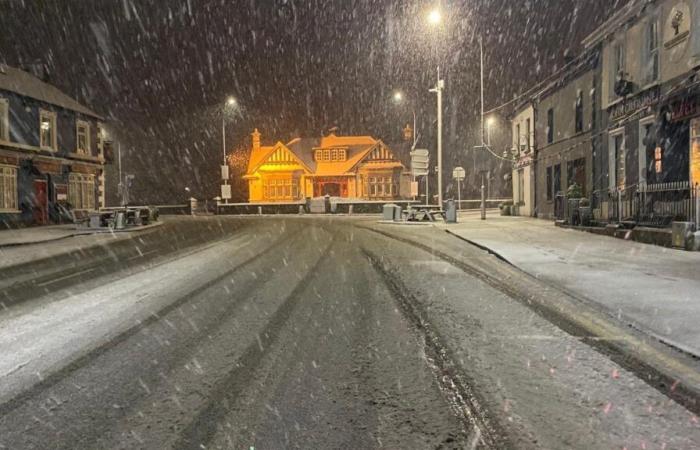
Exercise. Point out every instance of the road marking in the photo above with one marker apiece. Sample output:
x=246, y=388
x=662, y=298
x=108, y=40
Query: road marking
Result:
x=55, y=280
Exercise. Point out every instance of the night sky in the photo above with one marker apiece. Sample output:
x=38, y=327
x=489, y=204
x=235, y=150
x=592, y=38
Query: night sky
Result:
x=160, y=69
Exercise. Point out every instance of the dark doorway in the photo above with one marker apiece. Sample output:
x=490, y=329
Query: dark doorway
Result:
x=41, y=202
x=332, y=189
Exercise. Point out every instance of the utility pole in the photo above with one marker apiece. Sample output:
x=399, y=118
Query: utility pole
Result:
x=438, y=90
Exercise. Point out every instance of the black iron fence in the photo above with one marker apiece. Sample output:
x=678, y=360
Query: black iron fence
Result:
x=655, y=205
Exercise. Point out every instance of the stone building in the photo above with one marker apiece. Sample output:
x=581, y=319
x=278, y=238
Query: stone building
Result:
x=51, y=152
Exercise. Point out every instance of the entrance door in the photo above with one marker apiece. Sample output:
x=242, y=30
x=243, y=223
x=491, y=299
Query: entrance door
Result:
x=332, y=189
x=41, y=202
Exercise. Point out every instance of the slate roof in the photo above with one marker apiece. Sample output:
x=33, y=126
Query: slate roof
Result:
x=26, y=84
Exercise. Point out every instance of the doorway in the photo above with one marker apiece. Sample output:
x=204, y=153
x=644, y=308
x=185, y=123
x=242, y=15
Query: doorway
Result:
x=41, y=202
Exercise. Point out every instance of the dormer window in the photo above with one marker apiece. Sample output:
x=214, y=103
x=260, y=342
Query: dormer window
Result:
x=330, y=155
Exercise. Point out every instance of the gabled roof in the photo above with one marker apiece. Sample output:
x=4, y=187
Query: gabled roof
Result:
x=26, y=84
x=259, y=156
x=356, y=147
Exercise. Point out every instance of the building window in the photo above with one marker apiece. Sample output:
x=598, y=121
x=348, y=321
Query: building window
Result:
x=617, y=158
x=521, y=186
x=8, y=188
x=579, y=111
x=647, y=144
x=550, y=125
x=550, y=183
x=280, y=189
x=658, y=160
x=326, y=155
x=518, y=138
x=556, y=175
x=381, y=187
x=319, y=155
x=47, y=130
x=576, y=173
x=527, y=134
x=4, y=120
x=651, y=53
x=83, y=138
x=81, y=191
x=342, y=154
x=617, y=66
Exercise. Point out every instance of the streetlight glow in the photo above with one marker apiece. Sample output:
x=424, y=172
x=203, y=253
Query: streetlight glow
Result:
x=434, y=17
x=231, y=101
x=398, y=96
x=490, y=121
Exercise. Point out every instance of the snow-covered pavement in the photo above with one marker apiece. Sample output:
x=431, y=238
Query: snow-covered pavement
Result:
x=653, y=288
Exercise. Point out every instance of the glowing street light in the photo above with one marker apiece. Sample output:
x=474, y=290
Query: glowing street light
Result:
x=434, y=17
x=490, y=122
x=398, y=99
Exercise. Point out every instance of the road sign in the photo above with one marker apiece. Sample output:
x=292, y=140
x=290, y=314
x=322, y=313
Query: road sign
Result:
x=226, y=191
x=224, y=172
x=420, y=160
x=459, y=173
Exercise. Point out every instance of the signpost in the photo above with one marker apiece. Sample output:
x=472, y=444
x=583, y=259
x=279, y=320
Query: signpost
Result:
x=420, y=162
x=459, y=174
x=225, y=187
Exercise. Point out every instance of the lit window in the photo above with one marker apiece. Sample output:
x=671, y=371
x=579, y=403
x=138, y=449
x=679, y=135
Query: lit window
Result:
x=81, y=191
x=8, y=188
x=4, y=120
x=658, y=160
x=342, y=154
x=319, y=155
x=83, y=138
x=327, y=155
x=334, y=154
x=47, y=130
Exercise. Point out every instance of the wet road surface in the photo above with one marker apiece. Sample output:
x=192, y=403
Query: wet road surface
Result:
x=272, y=333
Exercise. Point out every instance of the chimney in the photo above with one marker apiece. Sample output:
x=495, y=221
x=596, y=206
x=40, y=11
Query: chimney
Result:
x=256, y=140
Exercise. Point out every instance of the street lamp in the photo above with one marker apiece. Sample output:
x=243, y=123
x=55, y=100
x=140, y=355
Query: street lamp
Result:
x=435, y=18
x=398, y=99
x=225, y=191
x=489, y=123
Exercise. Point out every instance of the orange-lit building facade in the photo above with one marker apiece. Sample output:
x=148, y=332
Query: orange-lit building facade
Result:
x=358, y=167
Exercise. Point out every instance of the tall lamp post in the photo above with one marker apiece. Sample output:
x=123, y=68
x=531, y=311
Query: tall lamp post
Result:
x=434, y=18
x=225, y=191
x=398, y=99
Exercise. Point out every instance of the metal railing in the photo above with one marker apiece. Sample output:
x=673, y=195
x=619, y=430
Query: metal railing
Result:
x=654, y=204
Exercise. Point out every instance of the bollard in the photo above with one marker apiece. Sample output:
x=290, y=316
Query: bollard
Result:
x=350, y=210
x=260, y=210
x=301, y=210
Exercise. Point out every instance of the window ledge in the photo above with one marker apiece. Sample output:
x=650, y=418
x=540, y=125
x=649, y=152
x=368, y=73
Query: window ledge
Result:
x=85, y=157
x=10, y=211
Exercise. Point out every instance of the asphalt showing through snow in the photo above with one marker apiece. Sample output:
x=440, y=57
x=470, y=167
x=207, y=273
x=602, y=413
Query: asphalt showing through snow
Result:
x=272, y=333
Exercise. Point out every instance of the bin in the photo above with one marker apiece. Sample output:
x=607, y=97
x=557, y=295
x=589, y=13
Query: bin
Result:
x=450, y=211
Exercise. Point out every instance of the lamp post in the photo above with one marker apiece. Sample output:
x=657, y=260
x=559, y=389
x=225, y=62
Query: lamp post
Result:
x=230, y=103
x=434, y=18
x=398, y=99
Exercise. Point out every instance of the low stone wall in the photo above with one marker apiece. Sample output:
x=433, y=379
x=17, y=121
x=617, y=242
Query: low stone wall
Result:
x=174, y=210
x=655, y=236
x=258, y=208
